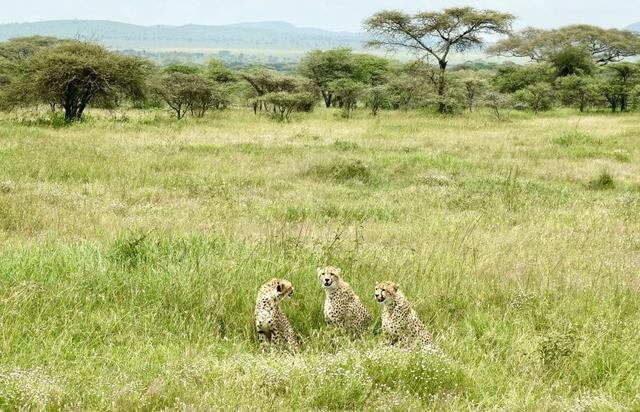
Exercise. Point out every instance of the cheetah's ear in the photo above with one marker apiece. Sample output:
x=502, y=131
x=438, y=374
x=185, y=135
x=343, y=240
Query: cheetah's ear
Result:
x=338, y=271
x=279, y=287
x=319, y=270
x=396, y=286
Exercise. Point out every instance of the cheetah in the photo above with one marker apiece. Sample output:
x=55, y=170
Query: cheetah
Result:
x=342, y=308
x=400, y=323
x=272, y=325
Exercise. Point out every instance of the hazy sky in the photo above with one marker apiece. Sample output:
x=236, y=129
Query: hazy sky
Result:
x=331, y=15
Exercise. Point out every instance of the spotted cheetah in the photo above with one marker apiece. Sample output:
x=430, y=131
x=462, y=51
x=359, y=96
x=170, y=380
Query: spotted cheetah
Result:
x=342, y=308
x=400, y=323
x=272, y=325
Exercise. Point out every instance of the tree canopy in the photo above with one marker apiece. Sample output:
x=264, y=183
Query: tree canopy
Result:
x=191, y=92
x=603, y=45
x=21, y=48
x=74, y=74
x=323, y=67
x=435, y=34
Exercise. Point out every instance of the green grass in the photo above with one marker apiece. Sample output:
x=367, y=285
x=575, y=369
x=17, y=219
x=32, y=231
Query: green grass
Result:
x=132, y=252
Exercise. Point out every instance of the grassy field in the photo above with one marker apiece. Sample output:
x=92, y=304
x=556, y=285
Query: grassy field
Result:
x=133, y=246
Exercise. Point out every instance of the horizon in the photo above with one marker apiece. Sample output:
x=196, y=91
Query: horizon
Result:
x=245, y=23
x=239, y=23
x=329, y=15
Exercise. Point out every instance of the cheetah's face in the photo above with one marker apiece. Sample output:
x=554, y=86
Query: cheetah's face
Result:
x=282, y=289
x=385, y=292
x=329, y=277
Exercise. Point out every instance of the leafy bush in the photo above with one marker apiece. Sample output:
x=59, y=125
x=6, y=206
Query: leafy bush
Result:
x=347, y=92
x=474, y=84
x=511, y=78
x=572, y=60
x=284, y=103
x=376, y=98
x=191, y=92
x=580, y=91
x=496, y=101
x=537, y=97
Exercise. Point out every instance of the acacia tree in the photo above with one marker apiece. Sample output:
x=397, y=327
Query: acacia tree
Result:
x=323, y=67
x=190, y=92
x=218, y=72
x=284, y=103
x=436, y=34
x=174, y=89
x=263, y=82
x=74, y=74
x=603, y=45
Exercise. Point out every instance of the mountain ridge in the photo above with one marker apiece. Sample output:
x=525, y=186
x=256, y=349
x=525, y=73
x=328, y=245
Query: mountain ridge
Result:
x=251, y=35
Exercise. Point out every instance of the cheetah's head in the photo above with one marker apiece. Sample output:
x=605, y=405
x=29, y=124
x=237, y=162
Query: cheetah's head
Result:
x=386, y=292
x=281, y=289
x=329, y=277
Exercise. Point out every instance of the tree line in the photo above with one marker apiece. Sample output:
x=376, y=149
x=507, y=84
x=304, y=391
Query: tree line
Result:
x=579, y=66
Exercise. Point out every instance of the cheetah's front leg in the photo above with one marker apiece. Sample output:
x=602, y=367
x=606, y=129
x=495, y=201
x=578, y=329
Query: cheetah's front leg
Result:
x=263, y=339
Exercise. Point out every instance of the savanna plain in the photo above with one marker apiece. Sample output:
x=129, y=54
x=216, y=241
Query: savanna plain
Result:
x=133, y=246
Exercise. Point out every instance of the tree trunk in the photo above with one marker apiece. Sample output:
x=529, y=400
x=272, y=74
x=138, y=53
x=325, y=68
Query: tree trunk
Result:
x=327, y=96
x=68, y=115
x=442, y=107
x=80, y=111
x=70, y=112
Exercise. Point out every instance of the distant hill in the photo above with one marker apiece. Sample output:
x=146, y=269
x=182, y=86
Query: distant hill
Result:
x=277, y=44
x=634, y=27
x=270, y=35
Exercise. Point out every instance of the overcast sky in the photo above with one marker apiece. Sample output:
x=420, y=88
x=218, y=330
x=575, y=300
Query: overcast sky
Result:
x=330, y=14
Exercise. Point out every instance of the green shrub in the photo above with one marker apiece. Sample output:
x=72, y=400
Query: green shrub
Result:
x=130, y=250
x=344, y=171
x=574, y=138
x=603, y=182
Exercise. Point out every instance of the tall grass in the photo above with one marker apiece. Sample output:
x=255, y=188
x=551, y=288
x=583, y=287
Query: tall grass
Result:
x=132, y=252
